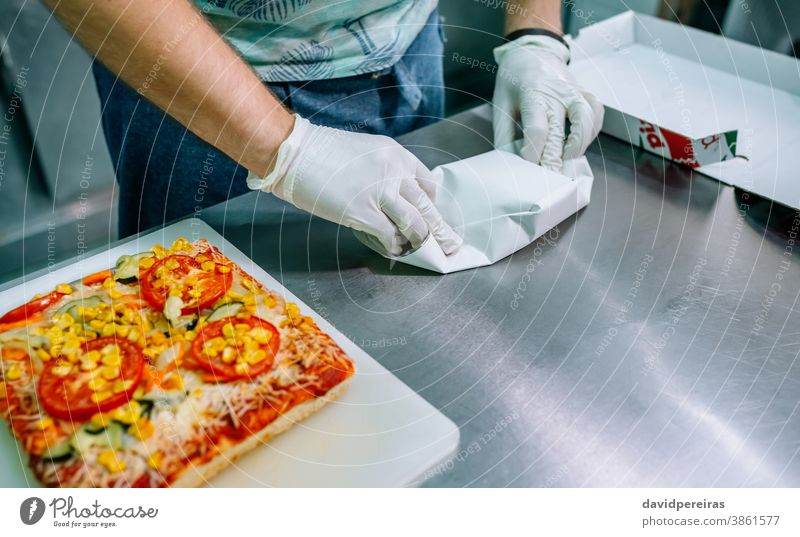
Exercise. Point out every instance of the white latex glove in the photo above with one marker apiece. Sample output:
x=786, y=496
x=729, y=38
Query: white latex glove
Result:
x=366, y=182
x=535, y=87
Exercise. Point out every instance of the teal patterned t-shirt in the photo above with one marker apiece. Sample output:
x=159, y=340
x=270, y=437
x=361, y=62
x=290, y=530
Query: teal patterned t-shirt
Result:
x=295, y=40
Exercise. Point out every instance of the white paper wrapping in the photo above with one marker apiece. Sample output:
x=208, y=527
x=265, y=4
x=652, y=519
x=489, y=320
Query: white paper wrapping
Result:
x=499, y=203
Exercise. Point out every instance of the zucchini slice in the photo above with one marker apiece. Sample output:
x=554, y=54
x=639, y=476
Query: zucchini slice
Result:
x=225, y=310
x=127, y=268
x=71, y=307
x=107, y=437
x=59, y=452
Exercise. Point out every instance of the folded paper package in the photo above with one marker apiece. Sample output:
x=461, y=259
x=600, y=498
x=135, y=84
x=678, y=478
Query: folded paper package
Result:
x=499, y=203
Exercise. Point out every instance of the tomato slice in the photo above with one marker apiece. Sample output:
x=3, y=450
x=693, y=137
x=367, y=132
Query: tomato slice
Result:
x=34, y=306
x=228, y=361
x=186, y=274
x=66, y=390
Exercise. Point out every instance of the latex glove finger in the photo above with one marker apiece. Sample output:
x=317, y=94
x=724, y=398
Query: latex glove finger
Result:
x=380, y=245
x=503, y=120
x=427, y=181
x=383, y=233
x=552, y=155
x=448, y=239
x=585, y=121
x=407, y=219
x=534, y=129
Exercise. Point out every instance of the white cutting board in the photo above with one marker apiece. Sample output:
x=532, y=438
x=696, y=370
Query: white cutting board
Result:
x=378, y=434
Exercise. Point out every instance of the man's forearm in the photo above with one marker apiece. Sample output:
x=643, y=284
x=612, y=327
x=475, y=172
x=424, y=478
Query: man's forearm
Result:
x=544, y=14
x=166, y=51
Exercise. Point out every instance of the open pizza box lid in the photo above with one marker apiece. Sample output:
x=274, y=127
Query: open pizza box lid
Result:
x=728, y=109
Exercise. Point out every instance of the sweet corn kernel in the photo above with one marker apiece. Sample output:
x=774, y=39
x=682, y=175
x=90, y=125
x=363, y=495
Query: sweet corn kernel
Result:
x=235, y=296
x=261, y=335
x=270, y=302
x=229, y=355
x=201, y=258
x=114, y=294
x=242, y=368
x=129, y=316
x=55, y=350
x=173, y=382
x=109, y=329
x=228, y=330
x=146, y=262
x=97, y=384
x=110, y=373
x=122, y=385
x=110, y=460
x=43, y=355
x=98, y=397
x=123, y=330
x=223, y=269
x=142, y=429
x=207, y=265
x=109, y=283
x=62, y=370
x=179, y=244
x=155, y=460
x=159, y=251
x=134, y=335
x=88, y=365
x=172, y=264
x=14, y=372
x=256, y=356
x=44, y=423
x=127, y=414
x=100, y=420
x=64, y=288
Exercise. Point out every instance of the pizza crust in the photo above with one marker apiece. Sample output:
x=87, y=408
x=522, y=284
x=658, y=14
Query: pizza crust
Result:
x=195, y=476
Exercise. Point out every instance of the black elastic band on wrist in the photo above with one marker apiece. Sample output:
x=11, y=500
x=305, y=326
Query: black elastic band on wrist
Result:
x=535, y=31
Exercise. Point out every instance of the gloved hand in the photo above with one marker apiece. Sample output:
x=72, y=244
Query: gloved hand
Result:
x=366, y=182
x=534, y=85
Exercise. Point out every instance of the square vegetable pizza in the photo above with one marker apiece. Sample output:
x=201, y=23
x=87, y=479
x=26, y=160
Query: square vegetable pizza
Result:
x=160, y=371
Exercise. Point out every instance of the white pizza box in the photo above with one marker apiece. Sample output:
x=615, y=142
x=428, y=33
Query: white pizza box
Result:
x=379, y=433
x=729, y=109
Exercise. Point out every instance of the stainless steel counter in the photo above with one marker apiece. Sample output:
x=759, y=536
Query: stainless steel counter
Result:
x=651, y=340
